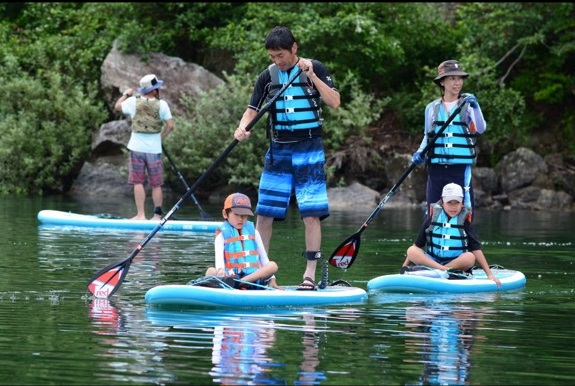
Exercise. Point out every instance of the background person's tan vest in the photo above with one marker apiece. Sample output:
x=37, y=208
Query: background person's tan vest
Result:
x=147, y=118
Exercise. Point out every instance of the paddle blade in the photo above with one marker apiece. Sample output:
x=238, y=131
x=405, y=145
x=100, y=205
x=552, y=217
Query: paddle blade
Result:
x=344, y=255
x=108, y=280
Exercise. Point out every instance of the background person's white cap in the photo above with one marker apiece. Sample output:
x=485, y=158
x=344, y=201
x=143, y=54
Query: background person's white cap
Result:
x=149, y=83
x=452, y=192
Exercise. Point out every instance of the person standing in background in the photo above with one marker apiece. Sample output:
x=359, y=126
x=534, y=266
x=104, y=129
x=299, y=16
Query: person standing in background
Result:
x=454, y=152
x=151, y=122
x=295, y=158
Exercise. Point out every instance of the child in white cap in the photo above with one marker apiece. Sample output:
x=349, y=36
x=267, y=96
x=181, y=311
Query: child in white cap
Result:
x=449, y=238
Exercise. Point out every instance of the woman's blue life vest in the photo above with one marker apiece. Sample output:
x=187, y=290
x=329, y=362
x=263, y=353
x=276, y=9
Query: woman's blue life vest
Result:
x=300, y=105
x=456, y=144
x=240, y=250
x=446, y=237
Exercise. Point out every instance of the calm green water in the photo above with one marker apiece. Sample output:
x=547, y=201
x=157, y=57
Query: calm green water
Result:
x=52, y=332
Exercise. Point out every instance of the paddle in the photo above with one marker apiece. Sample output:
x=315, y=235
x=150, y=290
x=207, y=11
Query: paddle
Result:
x=344, y=255
x=204, y=214
x=107, y=281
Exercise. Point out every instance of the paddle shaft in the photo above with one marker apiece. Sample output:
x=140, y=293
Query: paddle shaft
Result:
x=203, y=213
x=124, y=265
x=394, y=188
x=345, y=254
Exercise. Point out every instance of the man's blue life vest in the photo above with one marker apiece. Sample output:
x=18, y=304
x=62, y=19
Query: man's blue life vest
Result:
x=300, y=105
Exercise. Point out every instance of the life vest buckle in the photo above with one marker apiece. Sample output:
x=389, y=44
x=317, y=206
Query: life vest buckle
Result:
x=288, y=97
x=290, y=110
x=448, y=145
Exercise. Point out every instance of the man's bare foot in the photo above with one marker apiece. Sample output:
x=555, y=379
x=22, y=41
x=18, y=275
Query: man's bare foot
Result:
x=156, y=217
x=138, y=218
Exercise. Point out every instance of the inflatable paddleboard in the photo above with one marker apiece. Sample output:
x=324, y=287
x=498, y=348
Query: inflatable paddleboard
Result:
x=69, y=219
x=433, y=281
x=198, y=296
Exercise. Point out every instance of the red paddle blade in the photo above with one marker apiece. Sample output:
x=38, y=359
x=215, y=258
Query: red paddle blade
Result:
x=344, y=256
x=108, y=280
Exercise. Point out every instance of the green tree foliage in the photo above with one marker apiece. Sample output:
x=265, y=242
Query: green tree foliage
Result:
x=383, y=57
x=50, y=70
x=523, y=55
x=47, y=125
x=383, y=45
x=200, y=140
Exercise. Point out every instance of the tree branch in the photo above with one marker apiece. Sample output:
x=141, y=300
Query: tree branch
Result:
x=502, y=79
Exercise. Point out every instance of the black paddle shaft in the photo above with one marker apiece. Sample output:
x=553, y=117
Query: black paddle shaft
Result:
x=125, y=263
x=394, y=188
x=221, y=157
x=181, y=177
x=345, y=254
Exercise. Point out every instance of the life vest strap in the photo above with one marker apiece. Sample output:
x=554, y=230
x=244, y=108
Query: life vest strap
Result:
x=299, y=134
x=239, y=238
x=235, y=255
x=243, y=265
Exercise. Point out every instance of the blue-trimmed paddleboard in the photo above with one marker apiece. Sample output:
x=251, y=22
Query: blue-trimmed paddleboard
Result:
x=69, y=219
x=198, y=296
x=419, y=282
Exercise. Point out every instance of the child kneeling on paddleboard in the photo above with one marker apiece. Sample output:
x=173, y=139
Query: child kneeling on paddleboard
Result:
x=449, y=237
x=239, y=250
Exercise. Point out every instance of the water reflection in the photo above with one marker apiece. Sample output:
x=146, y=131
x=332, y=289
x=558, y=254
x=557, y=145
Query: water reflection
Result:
x=443, y=337
x=239, y=353
x=440, y=337
x=127, y=353
x=309, y=375
x=245, y=343
x=106, y=318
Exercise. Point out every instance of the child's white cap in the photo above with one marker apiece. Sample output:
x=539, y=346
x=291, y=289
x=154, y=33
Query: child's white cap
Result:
x=452, y=192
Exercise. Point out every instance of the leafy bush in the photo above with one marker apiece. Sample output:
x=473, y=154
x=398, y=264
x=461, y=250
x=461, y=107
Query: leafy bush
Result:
x=46, y=125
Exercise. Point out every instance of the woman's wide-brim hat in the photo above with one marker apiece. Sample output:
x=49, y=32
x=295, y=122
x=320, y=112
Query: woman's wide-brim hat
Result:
x=149, y=83
x=449, y=68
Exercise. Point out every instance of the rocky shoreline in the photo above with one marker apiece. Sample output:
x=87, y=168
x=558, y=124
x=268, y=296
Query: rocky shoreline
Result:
x=521, y=180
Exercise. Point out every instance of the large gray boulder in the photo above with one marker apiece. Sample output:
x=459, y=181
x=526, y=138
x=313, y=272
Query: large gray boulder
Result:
x=106, y=173
x=120, y=71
